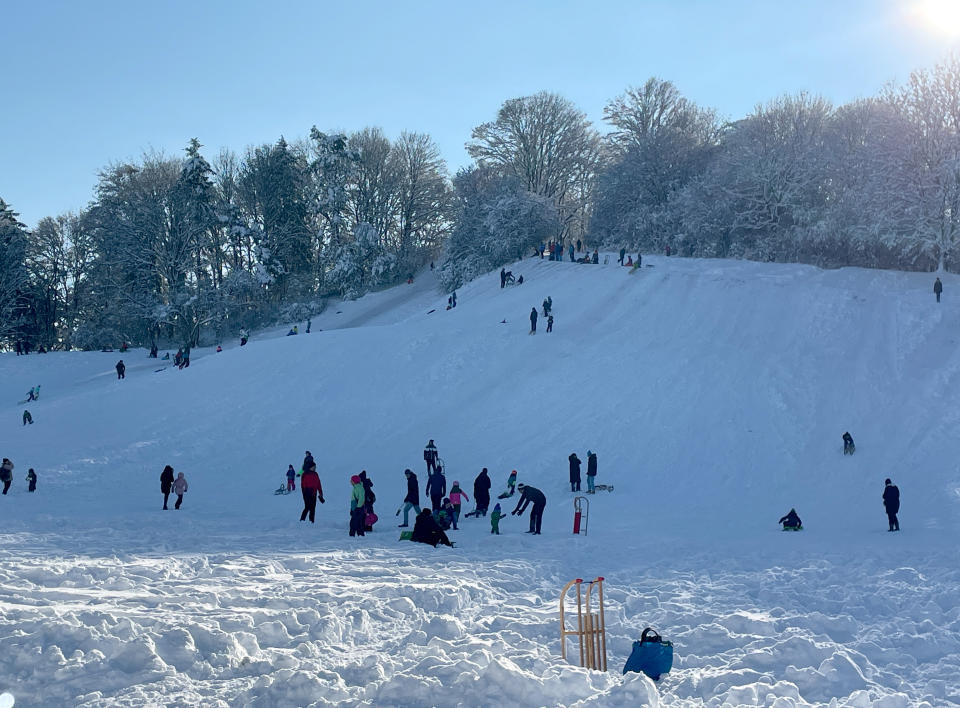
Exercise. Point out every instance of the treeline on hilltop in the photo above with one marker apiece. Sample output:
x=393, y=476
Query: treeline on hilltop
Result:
x=172, y=249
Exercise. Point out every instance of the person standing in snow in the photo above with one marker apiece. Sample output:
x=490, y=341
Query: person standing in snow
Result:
x=595, y=259
x=436, y=488
x=623, y=252
x=591, y=471
x=430, y=456
x=291, y=479
x=457, y=496
x=310, y=488
x=357, y=501
x=574, y=472
x=549, y=323
x=31, y=480
x=481, y=494
x=412, y=500
x=891, y=502
x=307, y=461
x=579, y=244
x=179, y=488
x=427, y=530
x=368, y=499
x=121, y=369
x=166, y=484
x=27, y=418
x=495, y=517
x=533, y=320
x=531, y=495
x=937, y=288
x=6, y=474
x=848, y=447
x=503, y=278
x=244, y=336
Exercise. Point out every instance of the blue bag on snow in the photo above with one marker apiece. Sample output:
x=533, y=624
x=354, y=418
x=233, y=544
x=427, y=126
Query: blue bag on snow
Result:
x=651, y=655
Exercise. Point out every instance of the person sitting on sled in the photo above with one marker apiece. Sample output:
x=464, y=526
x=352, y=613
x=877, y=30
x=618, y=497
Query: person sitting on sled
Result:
x=791, y=520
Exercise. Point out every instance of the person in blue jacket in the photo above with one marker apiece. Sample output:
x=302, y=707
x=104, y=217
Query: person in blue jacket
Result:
x=291, y=479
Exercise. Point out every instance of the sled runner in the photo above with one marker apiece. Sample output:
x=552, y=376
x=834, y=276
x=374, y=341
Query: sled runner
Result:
x=281, y=490
x=602, y=488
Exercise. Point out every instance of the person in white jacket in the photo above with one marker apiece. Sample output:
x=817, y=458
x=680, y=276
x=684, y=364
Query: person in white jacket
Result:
x=179, y=488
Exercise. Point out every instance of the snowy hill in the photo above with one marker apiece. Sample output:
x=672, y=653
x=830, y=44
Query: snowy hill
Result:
x=715, y=393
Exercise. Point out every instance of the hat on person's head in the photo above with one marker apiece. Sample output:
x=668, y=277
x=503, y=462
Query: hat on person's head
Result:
x=408, y=471
x=887, y=481
x=521, y=485
x=589, y=452
x=355, y=479
x=308, y=453
x=456, y=483
x=496, y=507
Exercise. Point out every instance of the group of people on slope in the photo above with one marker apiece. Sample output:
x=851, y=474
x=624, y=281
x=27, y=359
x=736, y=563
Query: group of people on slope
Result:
x=6, y=476
x=891, y=504
x=575, y=471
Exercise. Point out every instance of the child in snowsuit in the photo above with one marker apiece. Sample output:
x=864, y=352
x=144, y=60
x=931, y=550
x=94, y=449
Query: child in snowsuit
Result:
x=446, y=516
x=549, y=323
x=291, y=479
x=357, y=500
x=456, y=497
x=495, y=519
x=27, y=418
x=31, y=480
x=179, y=488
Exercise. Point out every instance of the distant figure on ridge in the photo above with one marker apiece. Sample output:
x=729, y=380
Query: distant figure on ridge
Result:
x=937, y=288
x=430, y=456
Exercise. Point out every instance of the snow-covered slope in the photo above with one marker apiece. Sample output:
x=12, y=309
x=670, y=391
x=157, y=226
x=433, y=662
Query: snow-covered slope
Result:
x=714, y=392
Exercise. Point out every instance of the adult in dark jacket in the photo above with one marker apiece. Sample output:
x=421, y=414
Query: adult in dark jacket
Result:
x=574, y=472
x=531, y=495
x=623, y=252
x=121, y=369
x=436, y=488
x=307, y=461
x=166, y=483
x=937, y=288
x=591, y=470
x=310, y=488
x=503, y=277
x=533, y=320
x=412, y=500
x=368, y=498
x=430, y=456
x=481, y=493
x=427, y=530
x=891, y=502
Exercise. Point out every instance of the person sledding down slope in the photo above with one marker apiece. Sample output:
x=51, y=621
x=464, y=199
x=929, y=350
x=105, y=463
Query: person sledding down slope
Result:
x=791, y=522
x=426, y=530
x=511, y=486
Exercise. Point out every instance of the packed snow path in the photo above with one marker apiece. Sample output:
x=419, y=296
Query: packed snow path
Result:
x=715, y=394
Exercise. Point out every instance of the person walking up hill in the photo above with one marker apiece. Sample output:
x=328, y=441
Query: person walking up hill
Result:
x=166, y=484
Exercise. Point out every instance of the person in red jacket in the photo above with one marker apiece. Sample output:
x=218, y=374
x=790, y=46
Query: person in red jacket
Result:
x=311, y=489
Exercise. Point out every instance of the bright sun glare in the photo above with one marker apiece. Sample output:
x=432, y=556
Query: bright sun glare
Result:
x=938, y=16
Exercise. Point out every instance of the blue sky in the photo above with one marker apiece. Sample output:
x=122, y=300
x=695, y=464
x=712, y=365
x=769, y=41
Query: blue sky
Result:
x=90, y=83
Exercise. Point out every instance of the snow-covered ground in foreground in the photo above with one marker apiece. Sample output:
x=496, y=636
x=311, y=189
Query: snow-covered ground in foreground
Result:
x=715, y=394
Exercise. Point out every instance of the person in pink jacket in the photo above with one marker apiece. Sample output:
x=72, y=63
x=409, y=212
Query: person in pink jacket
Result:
x=179, y=488
x=456, y=495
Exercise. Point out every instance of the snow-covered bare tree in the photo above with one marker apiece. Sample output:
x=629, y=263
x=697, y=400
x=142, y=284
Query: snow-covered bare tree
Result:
x=14, y=278
x=548, y=144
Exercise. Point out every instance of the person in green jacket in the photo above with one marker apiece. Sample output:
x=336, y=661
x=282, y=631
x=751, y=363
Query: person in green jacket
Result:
x=495, y=520
x=357, y=500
